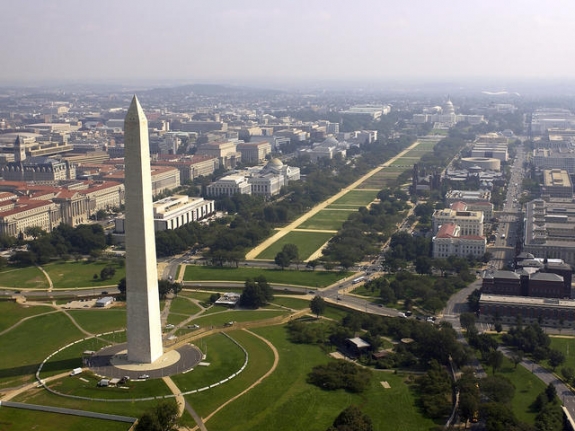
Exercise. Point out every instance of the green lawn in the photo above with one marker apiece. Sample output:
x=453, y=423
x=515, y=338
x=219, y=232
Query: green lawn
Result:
x=126, y=408
x=327, y=219
x=405, y=162
x=567, y=346
x=260, y=361
x=289, y=277
x=20, y=420
x=307, y=244
x=29, y=277
x=66, y=275
x=301, y=406
x=203, y=297
x=137, y=390
x=99, y=321
x=218, y=319
x=225, y=358
x=176, y=318
x=11, y=313
x=356, y=198
x=184, y=306
x=27, y=345
x=294, y=303
x=417, y=153
x=527, y=387
x=70, y=358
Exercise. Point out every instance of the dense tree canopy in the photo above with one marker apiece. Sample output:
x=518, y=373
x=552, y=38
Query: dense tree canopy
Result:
x=256, y=293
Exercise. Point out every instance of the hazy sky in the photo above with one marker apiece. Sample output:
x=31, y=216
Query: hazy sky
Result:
x=239, y=40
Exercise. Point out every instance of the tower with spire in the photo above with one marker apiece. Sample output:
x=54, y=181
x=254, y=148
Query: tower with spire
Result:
x=144, y=329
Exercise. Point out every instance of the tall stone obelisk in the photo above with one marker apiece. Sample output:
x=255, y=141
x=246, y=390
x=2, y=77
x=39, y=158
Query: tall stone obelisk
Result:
x=144, y=328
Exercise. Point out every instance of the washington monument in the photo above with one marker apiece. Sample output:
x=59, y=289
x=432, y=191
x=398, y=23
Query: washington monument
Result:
x=144, y=326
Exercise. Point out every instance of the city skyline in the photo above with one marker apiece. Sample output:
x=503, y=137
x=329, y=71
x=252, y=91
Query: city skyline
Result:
x=255, y=41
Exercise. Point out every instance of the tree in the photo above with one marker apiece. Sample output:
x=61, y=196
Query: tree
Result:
x=435, y=390
x=352, y=419
x=256, y=293
x=467, y=320
x=282, y=260
x=287, y=255
x=498, y=389
x=473, y=300
x=423, y=265
x=107, y=272
x=517, y=357
x=34, y=231
x=312, y=264
x=291, y=251
x=122, y=287
x=340, y=374
x=162, y=417
x=165, y=287
x=317, y=305
x=495, y=360
x=556, y=358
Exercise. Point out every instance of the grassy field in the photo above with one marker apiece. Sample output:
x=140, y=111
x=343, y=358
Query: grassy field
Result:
x=298, y=278
x=137, y=390
x=405, y=162
x=66, y=275
x=225, y=358
x=260, y=361
x=98, y=321
x=20, y=420
x=127, y=408
x=203, y=297
x=293, y=303
x=307, y=243
x=567, y=346
x=184, y=306
x=11, y=313
x=30, y=343
x=417, y=153
x=527, y=387
x=23, y=278
x=356, y=198
x=218, y=319
x=384, y=177
x=299, y=405
x=327, y=219
x=70, y=358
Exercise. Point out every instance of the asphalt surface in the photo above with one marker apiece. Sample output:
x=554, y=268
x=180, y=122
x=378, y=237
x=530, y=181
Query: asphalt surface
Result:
x=99, y=363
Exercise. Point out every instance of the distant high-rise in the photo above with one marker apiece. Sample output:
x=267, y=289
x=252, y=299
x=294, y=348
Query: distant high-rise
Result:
x=143, y=306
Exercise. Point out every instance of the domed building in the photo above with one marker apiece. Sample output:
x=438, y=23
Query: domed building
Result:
x=446, y=116
x=326, y=149
x=448, y=107
x=267, y=180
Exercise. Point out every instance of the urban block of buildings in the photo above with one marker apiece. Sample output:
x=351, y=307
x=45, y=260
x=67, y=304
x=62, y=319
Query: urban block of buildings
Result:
x=549, y=230
x=175, y=211
x=266, y=181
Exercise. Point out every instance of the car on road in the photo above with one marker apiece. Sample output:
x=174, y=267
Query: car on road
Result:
x=230, y=323
x=170, y=326
x=143, y=376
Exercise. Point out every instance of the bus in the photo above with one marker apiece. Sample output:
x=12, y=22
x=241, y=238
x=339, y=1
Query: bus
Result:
x=357, y=280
